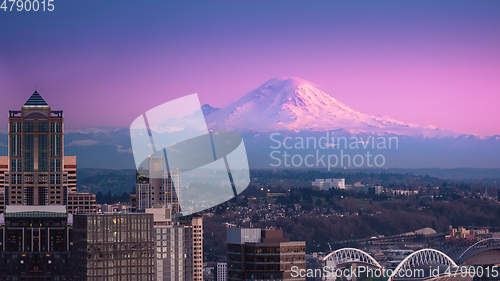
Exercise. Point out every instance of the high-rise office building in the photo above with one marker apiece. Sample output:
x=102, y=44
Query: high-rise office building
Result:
x=114, y=247
x=263, y=254
x=179, y=246
x=36, y=155
x=157, y=188
x=36, y=172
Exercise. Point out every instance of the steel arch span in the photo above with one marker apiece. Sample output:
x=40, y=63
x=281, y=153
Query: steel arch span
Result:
x=351, y=255
x=423, y=257
x=481, y=246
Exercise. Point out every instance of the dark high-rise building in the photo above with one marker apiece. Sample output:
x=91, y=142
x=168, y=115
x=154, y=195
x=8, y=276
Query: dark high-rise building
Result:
x=35, y=243
x=114, y=247
x=263, y=254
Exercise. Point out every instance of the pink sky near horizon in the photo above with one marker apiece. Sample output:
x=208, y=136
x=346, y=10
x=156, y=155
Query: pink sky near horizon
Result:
x=419, y=66
x=448, y=96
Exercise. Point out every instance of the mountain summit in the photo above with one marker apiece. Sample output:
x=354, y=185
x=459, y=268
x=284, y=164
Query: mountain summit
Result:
x=294, y=104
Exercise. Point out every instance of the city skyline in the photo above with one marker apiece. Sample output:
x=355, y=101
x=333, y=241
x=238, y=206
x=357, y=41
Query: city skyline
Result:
x=427, y=63
x=42, y=239
x=249, y=140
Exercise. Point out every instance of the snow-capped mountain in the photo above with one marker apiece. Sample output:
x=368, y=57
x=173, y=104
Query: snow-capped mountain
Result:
x=294, y=109
x=293, y=104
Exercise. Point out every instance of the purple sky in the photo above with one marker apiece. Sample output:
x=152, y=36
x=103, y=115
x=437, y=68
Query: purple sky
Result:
x=424, y=62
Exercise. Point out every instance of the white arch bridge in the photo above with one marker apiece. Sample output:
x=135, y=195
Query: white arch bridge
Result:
x=342, y=257
x=409, y=266
x=484, y=252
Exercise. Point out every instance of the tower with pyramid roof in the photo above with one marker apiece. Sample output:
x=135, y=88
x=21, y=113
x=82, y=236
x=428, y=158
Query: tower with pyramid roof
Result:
x=36, y=155
x=36, y=172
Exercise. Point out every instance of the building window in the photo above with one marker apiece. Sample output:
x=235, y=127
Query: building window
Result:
x=43, y=127
x=15, y=165
x=17, y=179
x=28, y=153
x=42, y=196
x=55, y=179
x=28, y=127
x=43, y=157
x=55, y=165
x=55, y=128
x=29, y=196
x=15, y=145
x=28, y=179
x=15, y=127
x=55, y=145
x=42, y=179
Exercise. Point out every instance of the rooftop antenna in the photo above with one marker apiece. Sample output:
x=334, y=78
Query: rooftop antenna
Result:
x=36, y=87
